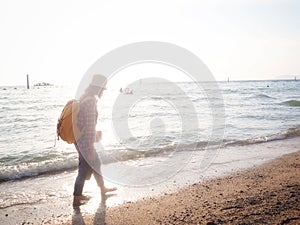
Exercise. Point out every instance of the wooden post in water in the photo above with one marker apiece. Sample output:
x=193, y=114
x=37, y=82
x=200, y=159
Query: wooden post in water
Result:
x=27, y=81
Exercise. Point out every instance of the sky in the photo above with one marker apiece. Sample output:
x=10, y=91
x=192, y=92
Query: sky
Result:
x=57, y=41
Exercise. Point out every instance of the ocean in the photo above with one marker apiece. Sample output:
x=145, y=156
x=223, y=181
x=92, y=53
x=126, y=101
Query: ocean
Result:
x=255, y=112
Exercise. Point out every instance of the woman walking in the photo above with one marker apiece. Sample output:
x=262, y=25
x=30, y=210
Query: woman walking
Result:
x=89, y=162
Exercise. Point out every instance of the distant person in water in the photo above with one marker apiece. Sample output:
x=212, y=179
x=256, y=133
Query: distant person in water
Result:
x=89, y=162
x=128, y=91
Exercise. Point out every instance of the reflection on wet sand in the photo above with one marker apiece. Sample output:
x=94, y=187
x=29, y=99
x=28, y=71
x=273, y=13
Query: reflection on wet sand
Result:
x=99, y=218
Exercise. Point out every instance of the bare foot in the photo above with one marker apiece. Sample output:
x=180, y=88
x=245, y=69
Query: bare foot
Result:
x=105, y=190
x=79, y=200
x=85, y=197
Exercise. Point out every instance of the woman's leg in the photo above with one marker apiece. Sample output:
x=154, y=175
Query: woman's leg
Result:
x=98, y=176
x=84, y=171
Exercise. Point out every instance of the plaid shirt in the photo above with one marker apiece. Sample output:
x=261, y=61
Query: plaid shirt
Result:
x=86, y=121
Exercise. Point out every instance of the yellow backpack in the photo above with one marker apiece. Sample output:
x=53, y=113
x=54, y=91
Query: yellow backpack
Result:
x=67, y=128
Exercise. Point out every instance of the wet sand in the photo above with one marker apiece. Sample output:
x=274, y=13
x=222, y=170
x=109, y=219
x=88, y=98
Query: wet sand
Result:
x=267, y=194
x=263, y=194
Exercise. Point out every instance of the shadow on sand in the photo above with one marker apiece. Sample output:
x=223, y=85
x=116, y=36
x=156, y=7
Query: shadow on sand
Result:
x=99, y=218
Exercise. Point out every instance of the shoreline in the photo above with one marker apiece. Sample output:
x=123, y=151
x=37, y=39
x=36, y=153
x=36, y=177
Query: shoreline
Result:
x=266, y=194
x=48, y=199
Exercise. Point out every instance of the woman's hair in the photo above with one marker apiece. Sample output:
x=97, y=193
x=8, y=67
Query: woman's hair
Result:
x=92, y=90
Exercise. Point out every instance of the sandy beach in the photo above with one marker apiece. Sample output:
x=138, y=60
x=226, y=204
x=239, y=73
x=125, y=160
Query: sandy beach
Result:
x=267, y=194
x=244, y=185
x=185, y=112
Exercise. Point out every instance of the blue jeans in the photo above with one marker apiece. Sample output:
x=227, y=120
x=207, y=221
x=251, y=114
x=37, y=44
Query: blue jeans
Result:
x=85, y=171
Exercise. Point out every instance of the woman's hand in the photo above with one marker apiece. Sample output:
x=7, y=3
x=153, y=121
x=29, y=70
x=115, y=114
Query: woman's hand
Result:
x=98, y=135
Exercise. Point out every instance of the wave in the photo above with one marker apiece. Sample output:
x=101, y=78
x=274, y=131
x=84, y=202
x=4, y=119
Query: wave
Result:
x=293, y=103
x=55, y=165
x=27, y=170
x=263, y=96
x=290, y=133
